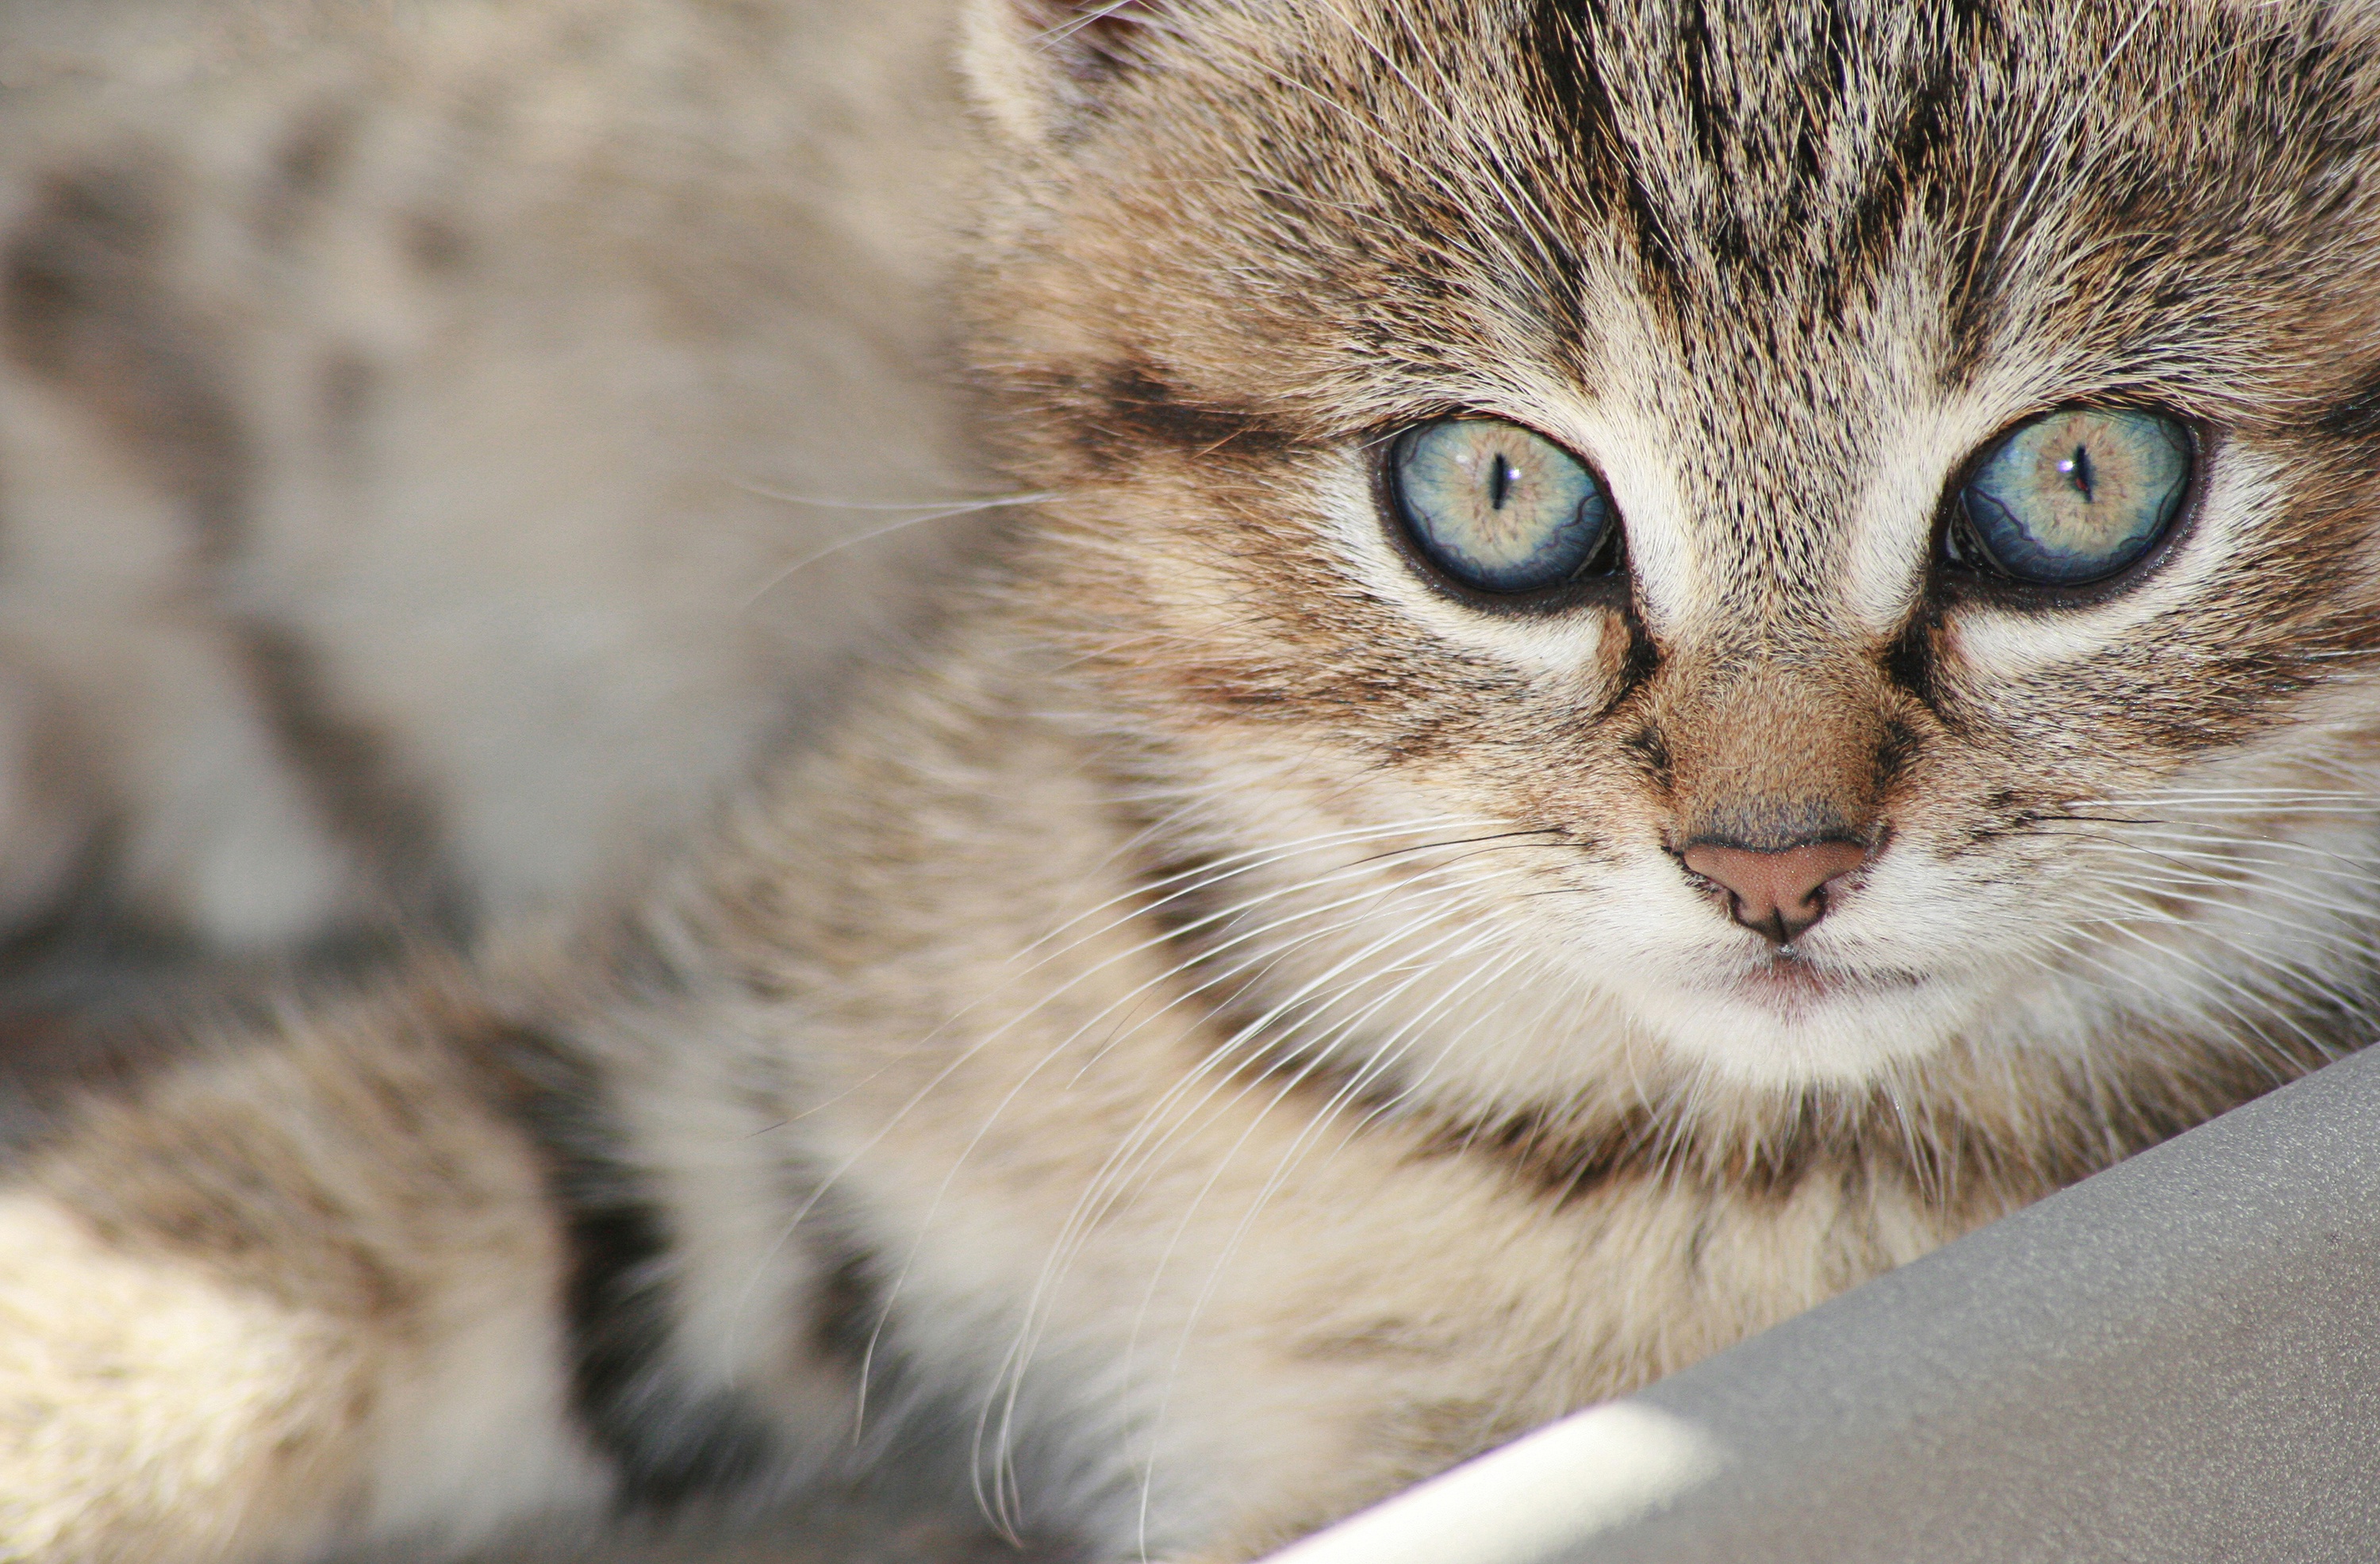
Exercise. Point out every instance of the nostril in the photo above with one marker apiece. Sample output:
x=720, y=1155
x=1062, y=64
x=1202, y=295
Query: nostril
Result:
x=1778, y=894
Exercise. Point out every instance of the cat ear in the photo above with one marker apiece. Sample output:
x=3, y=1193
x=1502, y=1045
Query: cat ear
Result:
x=1034, y=64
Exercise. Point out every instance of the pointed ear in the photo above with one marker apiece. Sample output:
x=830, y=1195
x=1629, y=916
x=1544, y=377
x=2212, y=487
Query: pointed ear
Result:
x=1032, y=64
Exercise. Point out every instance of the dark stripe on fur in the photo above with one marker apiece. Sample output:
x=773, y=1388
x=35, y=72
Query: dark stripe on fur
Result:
x=2357, y=417
x=315, y=152
x=353, y=777
x=1643, y=659
x=1565, y=1157
x=1924, y=1141
x=851, y=1307
x=670, y=1439
x=1910, y=661
x=1558, y=39
x=1148, y=405
x=86, y=303
x=1130, y=406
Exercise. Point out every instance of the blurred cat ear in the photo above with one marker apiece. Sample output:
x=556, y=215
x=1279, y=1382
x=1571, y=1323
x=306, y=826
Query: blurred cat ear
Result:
x=1032, y=63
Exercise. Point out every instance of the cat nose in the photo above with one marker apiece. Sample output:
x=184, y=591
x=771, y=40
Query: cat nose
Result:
x=1778, y=894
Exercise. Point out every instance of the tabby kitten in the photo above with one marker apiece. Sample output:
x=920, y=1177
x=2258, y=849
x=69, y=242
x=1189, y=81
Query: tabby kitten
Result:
x=1676, y=651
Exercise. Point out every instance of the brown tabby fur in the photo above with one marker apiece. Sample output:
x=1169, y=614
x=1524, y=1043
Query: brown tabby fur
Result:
x=1223, y=1026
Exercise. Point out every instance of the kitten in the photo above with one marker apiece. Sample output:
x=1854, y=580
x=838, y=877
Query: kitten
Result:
x=1676, y=653
x=426, y=449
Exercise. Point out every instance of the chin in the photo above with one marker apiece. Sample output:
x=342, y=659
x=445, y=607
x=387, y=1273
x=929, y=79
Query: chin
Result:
x=1787, y=1022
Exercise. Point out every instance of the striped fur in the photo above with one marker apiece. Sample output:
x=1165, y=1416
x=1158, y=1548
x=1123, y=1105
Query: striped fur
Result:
x=1220, y=1026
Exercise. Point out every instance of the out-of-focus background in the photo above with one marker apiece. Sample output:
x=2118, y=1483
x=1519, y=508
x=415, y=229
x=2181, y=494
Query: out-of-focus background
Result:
x=439, y=447
x=443, y=445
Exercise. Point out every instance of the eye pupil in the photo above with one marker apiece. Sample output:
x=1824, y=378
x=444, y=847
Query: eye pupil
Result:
x=2078, y=467
x=1497, y=509
x=1500, y=481
x=2073, y=496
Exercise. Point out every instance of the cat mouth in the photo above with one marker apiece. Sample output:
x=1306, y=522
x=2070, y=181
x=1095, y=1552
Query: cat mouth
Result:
x=1787, y=978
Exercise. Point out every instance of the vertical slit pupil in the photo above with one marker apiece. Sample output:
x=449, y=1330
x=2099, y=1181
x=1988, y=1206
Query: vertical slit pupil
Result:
x=2078, y=466
x=1500, y=474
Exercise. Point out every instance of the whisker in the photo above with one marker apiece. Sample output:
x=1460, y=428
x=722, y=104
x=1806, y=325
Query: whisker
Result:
x=1168, y=1117
x=939, y=513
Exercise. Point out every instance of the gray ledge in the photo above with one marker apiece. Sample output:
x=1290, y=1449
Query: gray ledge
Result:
x=2178, y=1358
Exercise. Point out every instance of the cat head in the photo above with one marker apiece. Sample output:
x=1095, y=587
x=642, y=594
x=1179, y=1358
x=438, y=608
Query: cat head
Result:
x=1753, y=545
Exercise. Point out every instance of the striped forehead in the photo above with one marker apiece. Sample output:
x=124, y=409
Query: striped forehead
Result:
x=1803, y=260
x=1774, y=512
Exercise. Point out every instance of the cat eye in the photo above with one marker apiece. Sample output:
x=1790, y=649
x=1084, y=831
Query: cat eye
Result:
x=1500, y=509
x=2072, y=496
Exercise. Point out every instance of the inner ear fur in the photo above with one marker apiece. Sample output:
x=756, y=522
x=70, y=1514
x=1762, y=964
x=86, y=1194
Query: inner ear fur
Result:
x=1032, y=63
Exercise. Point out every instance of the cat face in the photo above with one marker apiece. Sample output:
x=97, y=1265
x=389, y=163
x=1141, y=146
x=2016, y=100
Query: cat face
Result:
x=1761, y=542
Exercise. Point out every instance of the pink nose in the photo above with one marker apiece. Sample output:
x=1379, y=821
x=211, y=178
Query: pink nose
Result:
x=1777, y=894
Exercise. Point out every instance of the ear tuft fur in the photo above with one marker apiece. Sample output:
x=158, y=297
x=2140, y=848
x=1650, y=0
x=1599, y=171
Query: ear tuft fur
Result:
x=1094, y=40
x=1034, y=63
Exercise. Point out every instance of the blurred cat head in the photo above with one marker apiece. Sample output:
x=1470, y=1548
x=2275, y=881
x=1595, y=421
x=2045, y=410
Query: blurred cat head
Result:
x=1752, y=548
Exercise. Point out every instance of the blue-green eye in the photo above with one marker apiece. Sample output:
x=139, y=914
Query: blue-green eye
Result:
x=1497, y=509
x=2074, y=495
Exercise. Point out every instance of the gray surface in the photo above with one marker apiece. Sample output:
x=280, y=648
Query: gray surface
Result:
x=2178, y=1358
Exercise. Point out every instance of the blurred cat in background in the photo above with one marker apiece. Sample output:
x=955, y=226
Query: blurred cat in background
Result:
x=440, y=447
